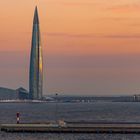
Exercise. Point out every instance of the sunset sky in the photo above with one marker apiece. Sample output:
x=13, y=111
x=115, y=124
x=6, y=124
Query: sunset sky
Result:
x=90, y=47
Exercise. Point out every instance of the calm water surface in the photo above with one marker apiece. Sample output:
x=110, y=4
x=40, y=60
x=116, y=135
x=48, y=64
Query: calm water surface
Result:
x=42, y=112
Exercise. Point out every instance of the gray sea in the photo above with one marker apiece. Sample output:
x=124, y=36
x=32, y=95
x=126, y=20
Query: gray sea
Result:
x=43, y=112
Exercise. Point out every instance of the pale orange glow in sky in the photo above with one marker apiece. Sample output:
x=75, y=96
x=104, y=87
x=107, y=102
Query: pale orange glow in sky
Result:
x=90, y=47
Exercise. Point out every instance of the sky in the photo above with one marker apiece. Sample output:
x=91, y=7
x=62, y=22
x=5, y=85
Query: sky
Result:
x=90, y=47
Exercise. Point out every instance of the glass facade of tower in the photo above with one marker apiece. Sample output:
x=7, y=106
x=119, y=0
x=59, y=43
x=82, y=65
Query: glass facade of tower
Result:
x=36, y=64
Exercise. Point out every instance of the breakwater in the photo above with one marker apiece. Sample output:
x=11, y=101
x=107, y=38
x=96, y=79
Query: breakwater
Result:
x=74, y=128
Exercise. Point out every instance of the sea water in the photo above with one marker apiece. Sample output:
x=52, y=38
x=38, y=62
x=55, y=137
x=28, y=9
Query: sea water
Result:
x=44, y=112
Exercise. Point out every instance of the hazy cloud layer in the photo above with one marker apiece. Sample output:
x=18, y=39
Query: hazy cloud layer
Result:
x=74, y=3
x=68, y=35
x=125, y=8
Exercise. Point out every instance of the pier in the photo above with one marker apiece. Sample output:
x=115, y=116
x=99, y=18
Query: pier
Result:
x=73, y=128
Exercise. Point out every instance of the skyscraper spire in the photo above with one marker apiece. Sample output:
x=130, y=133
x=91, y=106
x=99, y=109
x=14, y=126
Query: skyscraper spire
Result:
x=36, y=64
x=36, y=19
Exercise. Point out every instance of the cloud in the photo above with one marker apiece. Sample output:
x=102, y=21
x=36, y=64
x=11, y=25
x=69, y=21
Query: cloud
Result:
x=76, y=3
x=122, y=36
x=125, y=8
x=69, y=35
x=79, y=3
x=110, y=61
x=116, y=19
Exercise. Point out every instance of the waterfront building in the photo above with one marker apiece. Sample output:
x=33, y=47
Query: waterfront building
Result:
x=36, y=64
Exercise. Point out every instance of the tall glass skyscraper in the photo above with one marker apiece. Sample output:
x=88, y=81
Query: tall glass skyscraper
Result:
x=36, y=64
